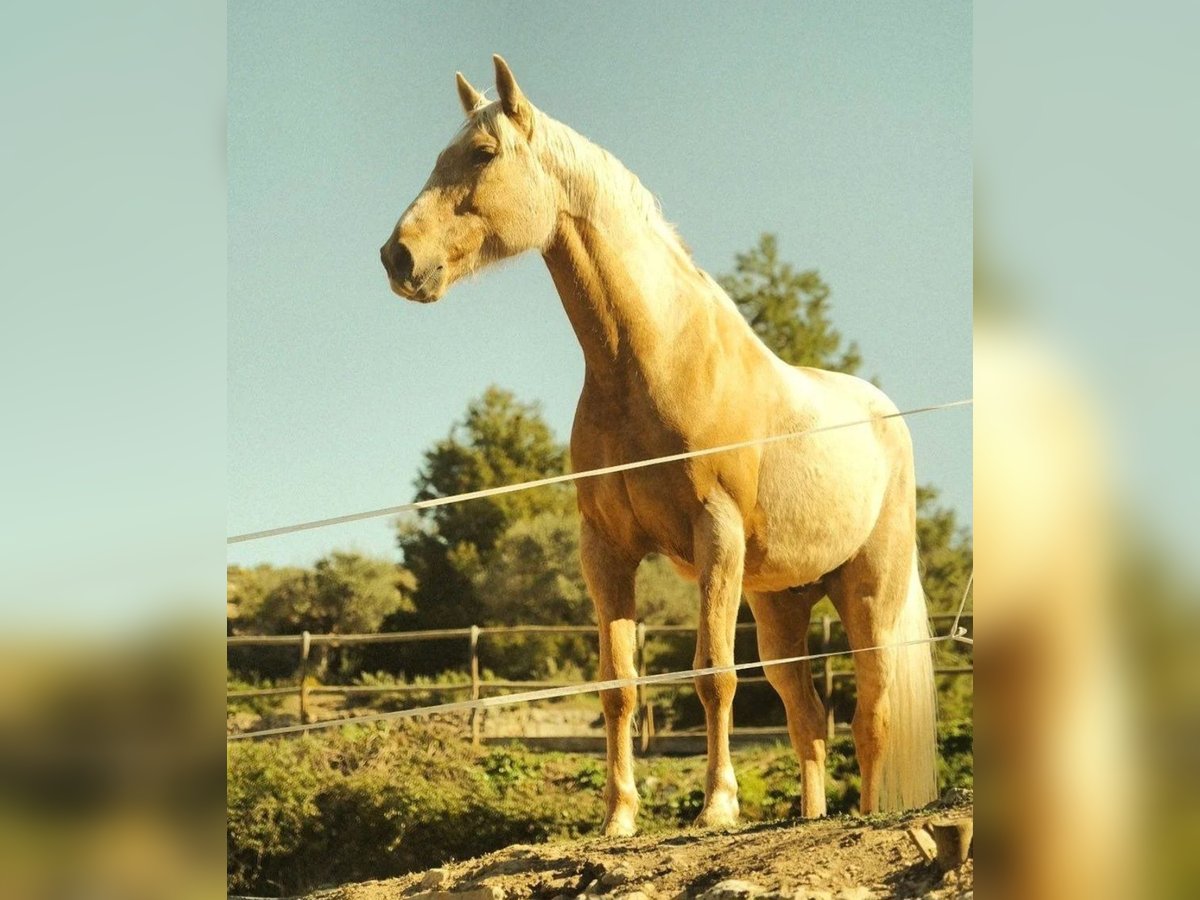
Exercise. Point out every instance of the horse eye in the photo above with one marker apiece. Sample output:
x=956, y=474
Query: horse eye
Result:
x=481, y=156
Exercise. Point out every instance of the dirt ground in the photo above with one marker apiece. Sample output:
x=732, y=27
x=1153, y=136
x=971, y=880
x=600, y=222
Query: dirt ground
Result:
x=844, y=857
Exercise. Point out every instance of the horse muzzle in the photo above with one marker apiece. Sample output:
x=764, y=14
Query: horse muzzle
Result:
x=424, y=284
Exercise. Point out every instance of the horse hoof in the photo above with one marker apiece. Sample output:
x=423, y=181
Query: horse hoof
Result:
x=620, y=827
x=717, y=815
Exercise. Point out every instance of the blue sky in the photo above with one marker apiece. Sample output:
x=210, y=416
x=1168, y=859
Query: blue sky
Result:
x=844, y=131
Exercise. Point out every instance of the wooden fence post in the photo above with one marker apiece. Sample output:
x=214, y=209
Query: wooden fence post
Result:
x=827, y=687
x=476, y=718
x=305, y=646
x=645, y=711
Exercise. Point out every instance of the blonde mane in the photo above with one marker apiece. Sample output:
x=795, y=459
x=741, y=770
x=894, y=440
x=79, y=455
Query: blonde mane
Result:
x=593, y=178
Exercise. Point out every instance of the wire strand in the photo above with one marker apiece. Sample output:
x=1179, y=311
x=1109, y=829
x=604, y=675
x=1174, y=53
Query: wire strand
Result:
x=573, y=476
x=590, y=687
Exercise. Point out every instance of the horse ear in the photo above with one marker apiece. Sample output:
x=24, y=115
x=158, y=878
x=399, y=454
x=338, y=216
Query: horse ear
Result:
x=512, y=101
x=467, y=95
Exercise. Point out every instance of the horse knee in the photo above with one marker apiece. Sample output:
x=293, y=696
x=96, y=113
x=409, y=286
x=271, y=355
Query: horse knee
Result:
x=618, y=703
x=717, y=690
x=785, y=679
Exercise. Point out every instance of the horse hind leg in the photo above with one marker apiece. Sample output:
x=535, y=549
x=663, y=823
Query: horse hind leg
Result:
x=881, y=604
x=783, y=633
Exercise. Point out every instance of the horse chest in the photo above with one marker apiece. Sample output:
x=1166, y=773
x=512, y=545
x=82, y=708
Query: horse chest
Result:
x=641, y=510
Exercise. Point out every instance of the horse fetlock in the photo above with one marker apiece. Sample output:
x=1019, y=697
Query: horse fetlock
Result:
x=621, y=819
x=720, y=809
x=812, y=792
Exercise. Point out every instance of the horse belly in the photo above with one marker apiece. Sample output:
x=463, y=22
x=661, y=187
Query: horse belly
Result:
x=815, y=510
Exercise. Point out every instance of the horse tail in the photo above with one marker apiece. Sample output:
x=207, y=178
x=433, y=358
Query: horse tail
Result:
x=908, y=776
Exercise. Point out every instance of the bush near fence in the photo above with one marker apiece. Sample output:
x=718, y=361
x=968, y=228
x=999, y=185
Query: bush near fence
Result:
x=375, y=801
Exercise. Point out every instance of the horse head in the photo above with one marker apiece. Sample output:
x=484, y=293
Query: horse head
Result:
x=488, y=197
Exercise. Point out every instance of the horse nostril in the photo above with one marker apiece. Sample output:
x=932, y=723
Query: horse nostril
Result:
x=403, y=261
x=396, y=260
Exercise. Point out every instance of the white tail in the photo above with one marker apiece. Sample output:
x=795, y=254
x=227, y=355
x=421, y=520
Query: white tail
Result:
x=908, y=778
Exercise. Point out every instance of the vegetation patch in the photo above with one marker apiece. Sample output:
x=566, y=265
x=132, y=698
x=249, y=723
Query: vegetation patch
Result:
x=370, y=802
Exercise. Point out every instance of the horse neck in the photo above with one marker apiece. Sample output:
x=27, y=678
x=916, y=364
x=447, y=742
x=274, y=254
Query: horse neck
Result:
x=626, y=284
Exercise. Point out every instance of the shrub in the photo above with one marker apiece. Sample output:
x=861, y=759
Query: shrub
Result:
x=376, y=801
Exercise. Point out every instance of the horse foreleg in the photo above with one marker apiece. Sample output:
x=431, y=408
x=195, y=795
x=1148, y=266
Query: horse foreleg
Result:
x=782, y=633
x=610, y=581
x=719, y=552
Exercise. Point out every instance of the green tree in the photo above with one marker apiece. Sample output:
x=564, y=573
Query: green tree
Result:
x=945, y=551
x=343, y=593
x=356, y=593
x=499, y=441
x=788, y=310
x=533, y=577
x=247, y=592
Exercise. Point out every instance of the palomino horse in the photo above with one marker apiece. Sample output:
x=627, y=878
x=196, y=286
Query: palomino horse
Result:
x=671, y=366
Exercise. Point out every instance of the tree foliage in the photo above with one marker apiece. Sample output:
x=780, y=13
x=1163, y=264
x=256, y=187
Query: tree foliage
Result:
x=499, y=441
x=788, y=309
x=342, y=593
x=945, y=552
x=533, y=578
x=534, y=575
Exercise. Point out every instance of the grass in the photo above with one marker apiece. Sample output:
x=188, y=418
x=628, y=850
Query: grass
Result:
x=375, y=801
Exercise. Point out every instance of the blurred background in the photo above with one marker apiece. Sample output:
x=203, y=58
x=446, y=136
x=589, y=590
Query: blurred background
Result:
x=112, y=458
x=1085, y=324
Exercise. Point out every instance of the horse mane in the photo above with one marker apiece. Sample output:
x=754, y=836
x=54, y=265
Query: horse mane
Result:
x=593, y=177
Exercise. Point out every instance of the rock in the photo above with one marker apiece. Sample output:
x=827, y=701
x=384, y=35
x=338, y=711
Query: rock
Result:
x=732, y=889
x=510, y=866
x=632, y=895
x=481, y=892
x=855, y=893
x=435, y=878
x=954, y=796
x=477, y=892
x=817, y=895
x=618, y=876
x=682, y=895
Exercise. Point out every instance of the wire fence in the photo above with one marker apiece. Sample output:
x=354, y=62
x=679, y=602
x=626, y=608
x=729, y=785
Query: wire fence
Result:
x=478, y=688
x=568, y=477
x=534, y=691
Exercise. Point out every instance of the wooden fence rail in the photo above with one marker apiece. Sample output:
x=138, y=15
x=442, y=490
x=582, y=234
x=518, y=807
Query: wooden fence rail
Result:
x=477, y=685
